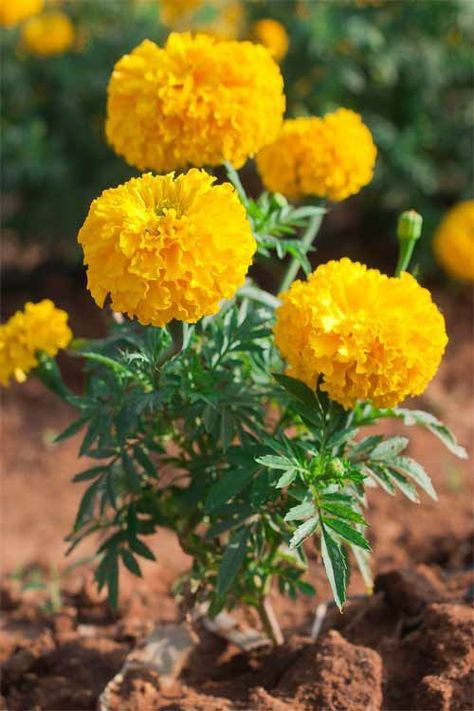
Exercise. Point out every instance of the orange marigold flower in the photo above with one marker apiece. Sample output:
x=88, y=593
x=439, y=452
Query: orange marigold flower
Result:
x=167, y=248
x=273, y=36
x=12, y=12
x=331, y=157
x=194, y=102
x=367, y=335
x=39, y=327
x=454, y=241
x=48, y=34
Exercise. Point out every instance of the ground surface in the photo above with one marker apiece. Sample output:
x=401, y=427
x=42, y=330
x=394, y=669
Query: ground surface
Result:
x=406, y=647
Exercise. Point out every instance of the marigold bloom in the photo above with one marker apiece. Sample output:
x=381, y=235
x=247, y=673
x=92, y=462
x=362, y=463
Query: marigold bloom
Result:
x=331, y=157
x=195, y=102
x=454, y=241
x=219, y=18
x=39, y=327
x=370, y=337
x=167, y=248
x=273, y=36
x=48, y=34
x=12, y=12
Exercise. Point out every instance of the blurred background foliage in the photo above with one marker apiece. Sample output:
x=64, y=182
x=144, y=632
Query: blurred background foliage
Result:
x=405, y=65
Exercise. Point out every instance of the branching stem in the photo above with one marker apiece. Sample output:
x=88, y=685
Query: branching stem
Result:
x=270, y=622
x=307, y=240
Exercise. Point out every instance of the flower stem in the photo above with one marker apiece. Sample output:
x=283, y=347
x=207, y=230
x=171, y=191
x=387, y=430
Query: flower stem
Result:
x=256, y=294
x=307, y=240
x=270, y=622
x=234, y=178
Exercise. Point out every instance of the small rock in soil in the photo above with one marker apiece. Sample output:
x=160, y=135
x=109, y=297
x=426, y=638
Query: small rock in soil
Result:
x=334, y=674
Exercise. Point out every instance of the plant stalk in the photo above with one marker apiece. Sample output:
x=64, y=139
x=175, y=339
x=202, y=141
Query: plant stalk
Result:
x=269, y=622
x=307, y=240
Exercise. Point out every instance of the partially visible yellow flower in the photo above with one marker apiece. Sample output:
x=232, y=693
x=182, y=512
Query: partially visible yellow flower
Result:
x=369, y=336
x=273, y=36
x=220, y=18
x=454, y=241
x=167, y=248
x=39, y=327
x=12, y=12
x=48, y=34
x=331, y=157
x=195, y=102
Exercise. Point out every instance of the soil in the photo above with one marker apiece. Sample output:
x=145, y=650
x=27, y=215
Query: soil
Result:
x=408, y=646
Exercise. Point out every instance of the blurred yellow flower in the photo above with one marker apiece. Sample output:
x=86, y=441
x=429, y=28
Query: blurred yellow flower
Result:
x=12, y=12
x=369, y=336
x=39, y=327
x=196, y=102
x=220, y=18
x=48, y=34
x=273, y=36
x=331, y=157
x=167, y=248
x=454, y=241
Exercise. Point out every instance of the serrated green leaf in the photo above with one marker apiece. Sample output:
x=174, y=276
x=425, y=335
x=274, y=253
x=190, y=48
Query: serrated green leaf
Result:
x=234, y=556
x=347, y=532
x=342, y=511
x=131, y=474
x=432, y=424
x=88, y=474
x=389, y=448
x=402, y=483
x=286, y=479
x=300, y=512
x=304, y=531
x=130, y=562
x=273, y=462
x=87, y=504
x=380, y=476
x=141, y=549
x=365, y=445
x=363, y=563
x=335, y=566
x=231, y=484
x=407, y=465
x=145, y=461
x=73, y=429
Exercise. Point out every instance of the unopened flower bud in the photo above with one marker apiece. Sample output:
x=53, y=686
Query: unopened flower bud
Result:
x=336, y=467
x=409, y=227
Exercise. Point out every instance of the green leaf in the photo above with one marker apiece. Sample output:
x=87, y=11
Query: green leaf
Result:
x=286, y=479
x=301, y=511
x=130, y=562
x=402, y=483
x=335, y=566
x=407, y=465
x=114, y=365
x=363, y=563
x=234, y=556
x=380, y=476
x=344, y=512
x=231, y=484
x=147, y=464
x=304, y=531
x=365, y=445
x=73, y=428
x=141, y=548
x=88, y=474
x=269, y=460
x=131, y=474
x=432, y=424
x=298, y=389
x=347, y=532
x=86, y=506
x=389, y=448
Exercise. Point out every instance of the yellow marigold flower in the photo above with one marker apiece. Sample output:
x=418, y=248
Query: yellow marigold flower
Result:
x=48, y=34
x=454, y=241
x=39, y=327
x=219, y=18
x=167, y=248
x=273, y=36
x=195, y=102
x=331, y=157
x=369, y=336
x=12, y=12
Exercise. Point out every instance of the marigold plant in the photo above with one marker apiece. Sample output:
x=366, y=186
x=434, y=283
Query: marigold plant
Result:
x=194, y=102
x=331, y=157
x=48, y=34
x=454, y=241
x=167, y=248
x=366, y=335
x=39, y=327
x=176, y=408
x=273, y=36
x=12, y=12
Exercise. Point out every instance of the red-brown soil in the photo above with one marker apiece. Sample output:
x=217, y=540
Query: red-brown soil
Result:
x=406, y=647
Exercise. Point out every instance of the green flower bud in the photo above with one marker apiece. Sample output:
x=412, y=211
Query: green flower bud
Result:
x=409, y=227
x=336, y=467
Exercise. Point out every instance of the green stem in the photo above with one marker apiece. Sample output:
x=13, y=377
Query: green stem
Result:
x=269, y=622
x=234, y=178
x=404, y=257
x=256, y=294
x=307, y=240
